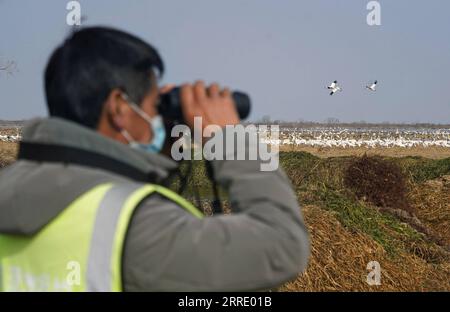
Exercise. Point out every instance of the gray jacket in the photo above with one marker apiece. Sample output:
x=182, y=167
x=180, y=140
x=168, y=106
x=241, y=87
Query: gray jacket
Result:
x=261, y=245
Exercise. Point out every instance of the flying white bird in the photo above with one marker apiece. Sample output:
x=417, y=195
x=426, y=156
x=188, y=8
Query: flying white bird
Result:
x=373, y=86
x=334, y=87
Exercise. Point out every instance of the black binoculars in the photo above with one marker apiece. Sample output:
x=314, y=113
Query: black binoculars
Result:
x=170, y=105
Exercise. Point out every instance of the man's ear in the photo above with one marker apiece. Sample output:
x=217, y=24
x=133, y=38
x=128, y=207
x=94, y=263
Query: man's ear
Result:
x=115, y=108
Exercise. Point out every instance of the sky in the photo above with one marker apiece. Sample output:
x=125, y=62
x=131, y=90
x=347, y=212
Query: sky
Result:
x=282, y=53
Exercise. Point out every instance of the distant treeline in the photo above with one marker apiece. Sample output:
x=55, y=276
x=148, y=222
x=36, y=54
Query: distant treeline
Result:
x=336, y=123
x=11, y=123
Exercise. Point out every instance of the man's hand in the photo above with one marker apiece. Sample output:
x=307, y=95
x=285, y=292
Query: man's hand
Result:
x=166, y=88
x=213, y=105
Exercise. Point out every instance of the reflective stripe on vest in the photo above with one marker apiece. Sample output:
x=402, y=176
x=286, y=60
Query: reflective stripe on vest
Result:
x=81, y=249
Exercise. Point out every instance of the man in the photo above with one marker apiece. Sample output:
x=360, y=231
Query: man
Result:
x=83, y=208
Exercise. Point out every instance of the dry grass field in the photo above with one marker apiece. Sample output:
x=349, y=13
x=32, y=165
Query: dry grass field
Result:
x=433, y=152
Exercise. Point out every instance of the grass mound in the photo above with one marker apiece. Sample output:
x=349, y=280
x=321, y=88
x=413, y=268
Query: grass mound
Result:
x=431, y=200
x=378, y=181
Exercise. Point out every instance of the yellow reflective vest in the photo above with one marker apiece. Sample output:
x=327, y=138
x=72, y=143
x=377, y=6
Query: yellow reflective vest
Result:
x=81, y=249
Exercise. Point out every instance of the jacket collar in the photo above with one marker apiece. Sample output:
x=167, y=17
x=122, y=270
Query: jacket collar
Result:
x=63, y=133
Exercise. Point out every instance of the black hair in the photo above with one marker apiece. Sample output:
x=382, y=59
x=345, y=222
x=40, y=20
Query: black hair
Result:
x=92, y=62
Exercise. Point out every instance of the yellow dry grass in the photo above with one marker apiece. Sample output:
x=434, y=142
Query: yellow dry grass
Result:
x=431, y=202
x=433, y=152
x=8, y=152
x=339, y=259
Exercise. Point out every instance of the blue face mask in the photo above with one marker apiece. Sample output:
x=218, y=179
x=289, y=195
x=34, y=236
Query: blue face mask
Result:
x=156, y=124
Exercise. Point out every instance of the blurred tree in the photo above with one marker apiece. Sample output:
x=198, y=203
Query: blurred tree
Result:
x=8, y=66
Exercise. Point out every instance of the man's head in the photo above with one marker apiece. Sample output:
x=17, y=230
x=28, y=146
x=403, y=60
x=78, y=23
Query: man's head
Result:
x=88, y=75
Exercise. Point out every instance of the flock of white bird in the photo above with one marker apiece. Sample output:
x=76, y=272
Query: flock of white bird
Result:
x=345, y=138
x=10, y=138
x=334, y=87
x=349, y=143
x=367, y=138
